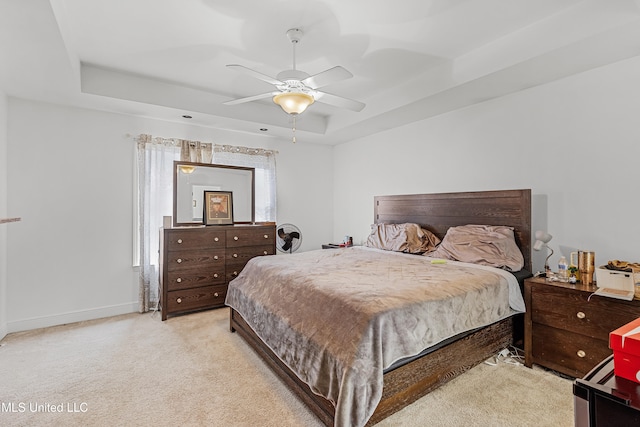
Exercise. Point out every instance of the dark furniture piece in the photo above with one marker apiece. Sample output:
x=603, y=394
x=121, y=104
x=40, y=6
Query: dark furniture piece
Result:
x=603, y=399
x=331, y=246
x=436, y=212
x=197, y=263
x=567, y=331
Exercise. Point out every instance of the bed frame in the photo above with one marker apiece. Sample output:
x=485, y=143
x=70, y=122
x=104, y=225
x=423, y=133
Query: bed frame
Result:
x=409, y=382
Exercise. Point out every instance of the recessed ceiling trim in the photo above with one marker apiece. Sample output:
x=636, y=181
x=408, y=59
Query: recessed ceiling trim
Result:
x=121, y=85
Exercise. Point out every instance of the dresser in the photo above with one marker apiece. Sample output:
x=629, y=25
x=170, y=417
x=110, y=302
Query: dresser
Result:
x=567, y=331
x=197, y=263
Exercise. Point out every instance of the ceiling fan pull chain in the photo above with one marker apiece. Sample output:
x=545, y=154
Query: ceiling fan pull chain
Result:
x=294, y=129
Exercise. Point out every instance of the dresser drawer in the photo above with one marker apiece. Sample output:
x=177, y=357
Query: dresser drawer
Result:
x=185, y=279
x=187, y=260
x=241, y=255
x=571, y=311
x=195, y=238
x=250, y=236
x=566, y=352
x=237, y=258
x=192, y=299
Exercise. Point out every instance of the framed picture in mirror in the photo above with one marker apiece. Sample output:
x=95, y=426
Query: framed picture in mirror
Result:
x=218, y=208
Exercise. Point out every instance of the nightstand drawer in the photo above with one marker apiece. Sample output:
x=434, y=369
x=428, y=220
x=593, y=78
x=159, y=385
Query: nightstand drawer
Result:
x=566, y=352
x=571, y=311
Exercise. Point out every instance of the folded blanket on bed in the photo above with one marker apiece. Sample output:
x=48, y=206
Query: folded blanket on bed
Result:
x=338, y=318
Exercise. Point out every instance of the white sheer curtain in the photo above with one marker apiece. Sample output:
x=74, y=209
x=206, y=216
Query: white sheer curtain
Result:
x=264, y=162
x=155, y=181
x=155, y=201
x=155, y=194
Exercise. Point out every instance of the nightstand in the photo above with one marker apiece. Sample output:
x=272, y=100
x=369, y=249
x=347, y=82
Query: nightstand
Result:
x=567, y=331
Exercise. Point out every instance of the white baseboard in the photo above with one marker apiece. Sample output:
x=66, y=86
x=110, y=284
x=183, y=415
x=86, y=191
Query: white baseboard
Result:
x=70, y=317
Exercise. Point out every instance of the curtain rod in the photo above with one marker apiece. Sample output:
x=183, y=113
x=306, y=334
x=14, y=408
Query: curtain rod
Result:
x=219, y=147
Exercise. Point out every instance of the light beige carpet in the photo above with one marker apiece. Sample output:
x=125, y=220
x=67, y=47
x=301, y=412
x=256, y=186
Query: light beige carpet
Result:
x=136, y=370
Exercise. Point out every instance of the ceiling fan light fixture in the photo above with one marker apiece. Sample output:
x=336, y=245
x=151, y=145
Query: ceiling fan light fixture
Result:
x=187, y=169
x=293, y=103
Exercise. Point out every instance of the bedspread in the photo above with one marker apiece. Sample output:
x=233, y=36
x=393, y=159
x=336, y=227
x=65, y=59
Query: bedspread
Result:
x=338, y=318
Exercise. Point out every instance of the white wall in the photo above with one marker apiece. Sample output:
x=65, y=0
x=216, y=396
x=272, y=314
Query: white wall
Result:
x=3, y=214
x=575, y=143
x=305, y=191
x=69, y=176
x=71, y=180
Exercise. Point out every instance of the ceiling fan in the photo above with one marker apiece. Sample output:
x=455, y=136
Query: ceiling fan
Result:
x=296, y=90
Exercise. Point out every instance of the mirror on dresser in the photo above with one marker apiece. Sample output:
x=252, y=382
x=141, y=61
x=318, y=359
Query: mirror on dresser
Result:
x=191, y=180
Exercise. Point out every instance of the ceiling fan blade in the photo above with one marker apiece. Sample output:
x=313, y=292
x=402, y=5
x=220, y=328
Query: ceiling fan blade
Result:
x=255, y=74
x=250, y=98
x=327, y=77
x=338, y=101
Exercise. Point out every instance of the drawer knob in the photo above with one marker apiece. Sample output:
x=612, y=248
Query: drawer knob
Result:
x=179, y=260
x=179, y=300
x=215, y=239
x=266, y=236
x=179, y=241
x=235, y=273
x=235, y=237
x=215, y=275
x=179, y=280
x=581, y=353
x=580, y=315
x=235, y=255
x=265, y=252
x=215, y=295
x=215, y=257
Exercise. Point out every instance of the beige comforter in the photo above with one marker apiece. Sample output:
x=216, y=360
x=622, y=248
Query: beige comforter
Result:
x=339, y=317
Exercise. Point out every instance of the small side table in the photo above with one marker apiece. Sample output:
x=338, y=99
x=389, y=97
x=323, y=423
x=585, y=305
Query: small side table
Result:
x=566, y=330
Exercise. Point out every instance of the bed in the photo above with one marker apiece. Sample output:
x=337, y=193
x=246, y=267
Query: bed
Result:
x=402, y=380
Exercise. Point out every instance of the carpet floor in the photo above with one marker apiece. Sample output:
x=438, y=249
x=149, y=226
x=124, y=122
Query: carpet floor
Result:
x=135, y=370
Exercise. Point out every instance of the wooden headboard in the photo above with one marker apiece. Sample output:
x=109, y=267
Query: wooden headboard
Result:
x=437, y=212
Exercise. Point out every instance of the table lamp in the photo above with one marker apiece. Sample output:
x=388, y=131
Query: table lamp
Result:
x=542, y=238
